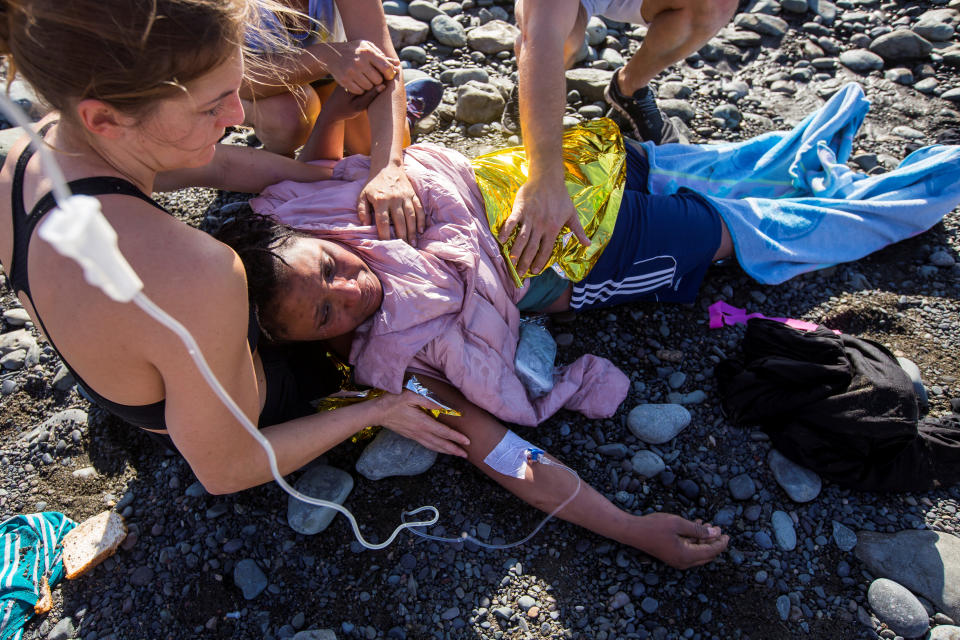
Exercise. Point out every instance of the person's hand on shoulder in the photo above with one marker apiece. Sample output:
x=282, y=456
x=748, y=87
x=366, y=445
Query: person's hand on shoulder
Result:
x=404, y=414
x=358, y=65
x=389, y=197
x=540, y=210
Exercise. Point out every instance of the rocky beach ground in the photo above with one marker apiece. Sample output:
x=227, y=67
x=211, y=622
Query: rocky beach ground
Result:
x=803, y=559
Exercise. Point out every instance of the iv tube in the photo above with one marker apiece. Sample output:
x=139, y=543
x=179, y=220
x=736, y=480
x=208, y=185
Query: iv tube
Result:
x=77, y=229
x=77, y=225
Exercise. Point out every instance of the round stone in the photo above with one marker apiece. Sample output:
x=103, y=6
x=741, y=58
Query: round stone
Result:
x=893, y=604
x=783, y=530
x=742, y=487
x=647, y=464
x=657, y=423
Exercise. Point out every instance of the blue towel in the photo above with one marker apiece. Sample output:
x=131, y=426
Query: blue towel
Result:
x=31, y=550
x=791, y=203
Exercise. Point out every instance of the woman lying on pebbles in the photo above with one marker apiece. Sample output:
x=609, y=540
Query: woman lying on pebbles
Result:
x=448, y=310
x=140, y=102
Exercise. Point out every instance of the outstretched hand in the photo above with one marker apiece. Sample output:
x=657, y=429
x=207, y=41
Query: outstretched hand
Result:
x=680, y=543
x=540, y=210
x=406, y=416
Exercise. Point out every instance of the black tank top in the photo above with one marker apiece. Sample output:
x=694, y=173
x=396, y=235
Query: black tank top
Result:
x=147, y=416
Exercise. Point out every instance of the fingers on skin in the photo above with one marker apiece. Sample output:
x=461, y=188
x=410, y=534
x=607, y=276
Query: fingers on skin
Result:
x=410, y=215
x=418, y=211
x=363, y=210
x=364, y=83
x=444, y=446
x=386, y=68
x=399, y=222
x=381, y=218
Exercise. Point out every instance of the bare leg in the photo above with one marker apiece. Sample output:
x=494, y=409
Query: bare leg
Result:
x=570, y=46
x=283, y=121
x=725, y=250
x=678, y=542
x=677, y=29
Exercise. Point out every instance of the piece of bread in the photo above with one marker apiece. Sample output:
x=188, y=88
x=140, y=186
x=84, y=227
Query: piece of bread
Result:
x=45, y=603
x=91, y=542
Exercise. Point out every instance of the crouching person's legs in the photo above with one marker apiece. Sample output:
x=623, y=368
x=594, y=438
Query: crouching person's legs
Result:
x=283, y=122
x=674, y=540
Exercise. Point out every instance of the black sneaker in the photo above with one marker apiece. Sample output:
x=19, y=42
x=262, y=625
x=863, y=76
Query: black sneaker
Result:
x=641, y=115
x=510, y=120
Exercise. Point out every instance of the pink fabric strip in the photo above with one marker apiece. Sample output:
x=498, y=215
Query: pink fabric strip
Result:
x=723, y=314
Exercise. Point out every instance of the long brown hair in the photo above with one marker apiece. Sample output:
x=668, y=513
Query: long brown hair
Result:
x=127, y=53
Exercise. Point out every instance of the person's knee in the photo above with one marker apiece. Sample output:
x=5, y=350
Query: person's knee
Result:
x=576, y=40
x=284, y=123
x=707, y=18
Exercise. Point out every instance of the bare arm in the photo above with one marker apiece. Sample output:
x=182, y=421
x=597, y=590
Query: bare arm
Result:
x=244, y=169
x=542, y=205
x=326, y=138
x=222, y=454
x=388, y=195
x=678, y=542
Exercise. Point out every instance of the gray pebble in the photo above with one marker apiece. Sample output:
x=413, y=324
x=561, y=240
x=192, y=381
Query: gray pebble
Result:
x=647, y=464
x=657, y=423
x=800, y=483
x=390, y=454
x=649, y=604
x=315, y=634
x=321, y=481
x=942, y=258
x=249, y=578
x=783, y=607
x=861, y=60
x=742, y=487
x=898, y=608
x=843, y=537
x=783, y=530
x=448, y=31
x=63, y=630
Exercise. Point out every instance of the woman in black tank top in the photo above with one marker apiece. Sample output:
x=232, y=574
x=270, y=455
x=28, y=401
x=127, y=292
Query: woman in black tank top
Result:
x=140, y=102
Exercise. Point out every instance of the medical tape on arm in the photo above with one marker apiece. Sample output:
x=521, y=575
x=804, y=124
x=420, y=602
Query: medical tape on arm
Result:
x=510, y=456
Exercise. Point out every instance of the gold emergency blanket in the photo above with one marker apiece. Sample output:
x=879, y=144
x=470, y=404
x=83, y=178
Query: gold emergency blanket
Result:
x=350, y=394
x=594, y=164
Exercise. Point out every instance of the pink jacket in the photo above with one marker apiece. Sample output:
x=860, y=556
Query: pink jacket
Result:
x=449, y=306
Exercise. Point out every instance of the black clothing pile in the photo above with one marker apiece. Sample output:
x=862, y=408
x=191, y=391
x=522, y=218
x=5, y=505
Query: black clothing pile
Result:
x=841, y=406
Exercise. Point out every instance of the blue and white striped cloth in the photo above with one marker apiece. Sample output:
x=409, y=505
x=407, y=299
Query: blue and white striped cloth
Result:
x=31, y=550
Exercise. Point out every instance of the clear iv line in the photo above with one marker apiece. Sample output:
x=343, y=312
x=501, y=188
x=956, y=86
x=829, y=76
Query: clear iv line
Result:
x=467, y=537
x=117, y=279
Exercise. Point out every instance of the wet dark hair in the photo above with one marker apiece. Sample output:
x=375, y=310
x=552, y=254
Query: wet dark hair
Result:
x=259, y=240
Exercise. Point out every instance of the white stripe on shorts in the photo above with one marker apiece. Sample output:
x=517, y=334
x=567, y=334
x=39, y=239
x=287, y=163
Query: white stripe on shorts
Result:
x=602, y=291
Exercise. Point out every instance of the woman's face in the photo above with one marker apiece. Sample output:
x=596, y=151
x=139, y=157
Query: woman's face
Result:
x=182, y=131
x=328, y=291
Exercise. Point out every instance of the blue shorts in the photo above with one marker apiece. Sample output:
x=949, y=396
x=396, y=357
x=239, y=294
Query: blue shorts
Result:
x=660, y=248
